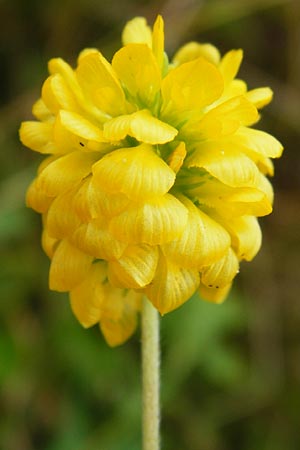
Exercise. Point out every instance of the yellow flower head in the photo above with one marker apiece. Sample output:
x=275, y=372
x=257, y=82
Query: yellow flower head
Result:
x=154, y=177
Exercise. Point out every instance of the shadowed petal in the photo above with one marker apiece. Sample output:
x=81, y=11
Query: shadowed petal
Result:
x=222, y=272
x=69, y=267
x=88, y=297
x=119, y=318
x=171, y=286
x=136, y=267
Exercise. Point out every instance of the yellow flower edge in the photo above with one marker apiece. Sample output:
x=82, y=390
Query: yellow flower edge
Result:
x=153, y=178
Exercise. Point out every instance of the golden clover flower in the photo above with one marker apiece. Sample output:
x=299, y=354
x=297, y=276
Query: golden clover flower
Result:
x=155, y=177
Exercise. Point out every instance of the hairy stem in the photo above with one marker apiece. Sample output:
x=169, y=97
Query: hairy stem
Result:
x=150, y=367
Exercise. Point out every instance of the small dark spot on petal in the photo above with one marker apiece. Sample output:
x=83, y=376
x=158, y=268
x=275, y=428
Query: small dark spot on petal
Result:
x=82, y=145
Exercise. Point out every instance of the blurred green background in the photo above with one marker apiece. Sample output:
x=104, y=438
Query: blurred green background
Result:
x=230, y=373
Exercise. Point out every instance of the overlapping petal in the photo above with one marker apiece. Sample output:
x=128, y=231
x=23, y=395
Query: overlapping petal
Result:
x=95, y=239
x=56, y=95
x=142, y=126
x=157, y=221
x=228, y=165
x=69, y=267
x=36, y=199
x=100, y=83
x=172, y=285
x=62, y=219
x=137, y=172
x=88, y=297
x=221, y=273
x=135, y=268
x=190, y=86
x=38, y=136
x=139, y=73
x=120, y=310
x=202, y=242
x=222, y=120
x=63, y=173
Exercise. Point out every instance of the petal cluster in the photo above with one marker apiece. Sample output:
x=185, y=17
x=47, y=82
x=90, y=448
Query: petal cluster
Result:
x=154, y=176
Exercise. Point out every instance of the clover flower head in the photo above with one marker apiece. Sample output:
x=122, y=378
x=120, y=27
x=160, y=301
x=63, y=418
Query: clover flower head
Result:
x=154, y=177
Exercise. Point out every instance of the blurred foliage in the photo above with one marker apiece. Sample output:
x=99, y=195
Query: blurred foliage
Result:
x=230, y=373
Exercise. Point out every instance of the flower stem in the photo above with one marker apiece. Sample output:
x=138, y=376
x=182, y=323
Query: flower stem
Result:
x=150, y=367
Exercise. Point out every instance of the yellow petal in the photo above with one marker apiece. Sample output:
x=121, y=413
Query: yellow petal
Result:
x=137, y=172
x=227, y=165
x=202, y=242
x=41, y=112
x=257, y=141
x=232, y=202
x=73, y=132
x=58, y=65
x=95, y=239
x=80, y=126
x=136, y=267
x=69, y=267
x=247, y=202
x=226, y=118
x=138, y=72
x=265, y=165
x=157, y=221
x=136, y=31
x=119, y=319
x=62, y=219
x=88, y=297
x=222, y=272
x=140, y=125
x=171, y=286
x=176, y=158
x=100, y=203
x=65, y=172
x=193, y=50
x=230, y=65
x=100, y=83
x=38, y=136
x=260, y=97
x=246, y=236
x=36, y=199
x=190, y=86
x=236, y=88
x=49, y=243
x=57, y=95
x=158, y=41
x=215, y=295
x=86, y=203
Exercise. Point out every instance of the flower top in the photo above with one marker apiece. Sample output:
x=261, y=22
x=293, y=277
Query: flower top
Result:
x=155, y=177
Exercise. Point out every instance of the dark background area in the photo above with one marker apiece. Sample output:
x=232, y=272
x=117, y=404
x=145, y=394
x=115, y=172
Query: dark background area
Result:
x=230, y=373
